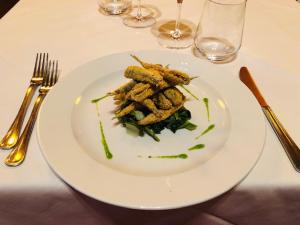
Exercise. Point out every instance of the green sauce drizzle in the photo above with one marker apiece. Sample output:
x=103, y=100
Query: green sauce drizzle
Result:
x=108, y=154
x=205, y=100
x=209, y=128
x=188, y=91
x=180, y=156
x=197, y=147
x=98, y=99
x=104, y=143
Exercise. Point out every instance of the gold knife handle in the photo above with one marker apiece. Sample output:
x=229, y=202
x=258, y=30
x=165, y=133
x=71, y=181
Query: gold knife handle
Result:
x=12, y=135
x=287, y=142
x=17, y=156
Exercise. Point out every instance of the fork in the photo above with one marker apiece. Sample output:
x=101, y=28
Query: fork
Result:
x=12, y=135
x=17, y=156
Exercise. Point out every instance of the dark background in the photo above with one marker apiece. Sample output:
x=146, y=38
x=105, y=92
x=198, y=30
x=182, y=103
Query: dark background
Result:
x=6, y=5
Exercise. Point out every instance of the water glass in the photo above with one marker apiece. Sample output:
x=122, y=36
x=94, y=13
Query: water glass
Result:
x=220, y=30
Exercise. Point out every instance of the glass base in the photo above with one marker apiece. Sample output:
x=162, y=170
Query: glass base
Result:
x=170, y=38
x=215, y=49
x=133, y=21
x=175, y=43
x=112, y=7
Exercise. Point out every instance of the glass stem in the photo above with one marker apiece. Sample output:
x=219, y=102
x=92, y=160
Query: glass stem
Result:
x=139, y=11
x=177, y=33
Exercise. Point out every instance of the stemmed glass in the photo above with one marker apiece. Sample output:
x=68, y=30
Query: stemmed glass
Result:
x=114, y=7
x=176, y=34
x=139, y=20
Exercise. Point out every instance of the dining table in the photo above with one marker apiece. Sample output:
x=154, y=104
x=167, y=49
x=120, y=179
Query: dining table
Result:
x=76, y=32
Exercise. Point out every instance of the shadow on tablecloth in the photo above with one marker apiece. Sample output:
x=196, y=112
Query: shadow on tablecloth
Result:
x=240, y=207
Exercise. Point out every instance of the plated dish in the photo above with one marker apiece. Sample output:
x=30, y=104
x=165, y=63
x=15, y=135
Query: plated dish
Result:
x=142, y=173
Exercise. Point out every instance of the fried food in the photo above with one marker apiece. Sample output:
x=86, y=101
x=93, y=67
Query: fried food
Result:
x=161, y=101
x=152, y=89
x=174, y=95
x=120, y=97
x=124, y=88
x=128, y=109
x=144, y=75
x=157, y=67
x=172, y=77
x=140, y=92
x=164, y=114
x=152, y=107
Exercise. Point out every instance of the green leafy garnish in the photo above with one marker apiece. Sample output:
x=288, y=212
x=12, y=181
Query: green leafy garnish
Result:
x=188, y=125
x=179, y=120
x=151, y=133
x=132, y=129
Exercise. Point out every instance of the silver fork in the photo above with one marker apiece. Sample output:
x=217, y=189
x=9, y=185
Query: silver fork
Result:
x=11, y=137
x=17, y=156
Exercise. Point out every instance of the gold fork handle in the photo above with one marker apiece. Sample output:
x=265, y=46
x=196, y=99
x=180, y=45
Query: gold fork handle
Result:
x=17, y=156
x=287, y=142
x=11, y=137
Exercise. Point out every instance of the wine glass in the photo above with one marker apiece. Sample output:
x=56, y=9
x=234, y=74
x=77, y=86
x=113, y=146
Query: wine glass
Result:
x=176, y=33
x=114, y=7
x=139, y=20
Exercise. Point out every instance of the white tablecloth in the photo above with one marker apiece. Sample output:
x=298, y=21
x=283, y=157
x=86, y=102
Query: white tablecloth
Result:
x=75, y=32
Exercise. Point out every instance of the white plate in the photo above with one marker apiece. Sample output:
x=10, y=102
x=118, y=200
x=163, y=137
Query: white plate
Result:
x=69, y=135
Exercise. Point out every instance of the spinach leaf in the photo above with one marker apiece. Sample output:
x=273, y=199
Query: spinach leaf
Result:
x=151, y=133
x=179, y=120
x=188, y=125
x=157, y=127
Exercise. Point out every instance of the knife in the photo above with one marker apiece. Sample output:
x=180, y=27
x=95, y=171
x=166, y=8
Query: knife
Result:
x=287, y=142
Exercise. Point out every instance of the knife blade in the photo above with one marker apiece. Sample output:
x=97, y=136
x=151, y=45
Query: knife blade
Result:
x=291, y=149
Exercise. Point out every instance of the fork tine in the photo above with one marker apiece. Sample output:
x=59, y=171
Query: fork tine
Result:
x=39, y=64
x=56, y=72
x=44, y=63
x=46, y=75
x=35, y=65
x=52, y=74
